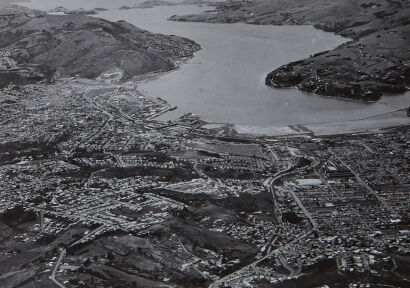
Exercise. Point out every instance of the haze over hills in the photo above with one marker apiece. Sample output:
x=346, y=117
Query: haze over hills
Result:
x=35, y=46
x=155, y=3
x=376, y=61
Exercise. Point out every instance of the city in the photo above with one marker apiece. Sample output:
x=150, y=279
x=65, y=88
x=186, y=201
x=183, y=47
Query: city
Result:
x=95, y=192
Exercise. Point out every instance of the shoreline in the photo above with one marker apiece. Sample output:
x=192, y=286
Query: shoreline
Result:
x=256, y=130
x=376, y=123
x=322, y=128
x=352, y=70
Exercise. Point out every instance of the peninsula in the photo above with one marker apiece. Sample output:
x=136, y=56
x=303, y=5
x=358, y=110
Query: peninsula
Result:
x=373, y=63
x=37, y=46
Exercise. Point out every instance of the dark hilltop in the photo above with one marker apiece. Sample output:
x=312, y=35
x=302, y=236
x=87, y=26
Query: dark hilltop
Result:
x=373, y=63
x=36, y=46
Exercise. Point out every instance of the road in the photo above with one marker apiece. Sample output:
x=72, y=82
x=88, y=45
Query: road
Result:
x=371, y=191
x=199, y=171
x=235, y=275
x=286, y=172
x=192, y=264
x=286, y=265
x=307, y=214
x=102, y=227
x=365, y=146
x=117, y=158
x=273, y=153
x=53, y=274
x=268, y=183
x=338, y=197
x=276, y=206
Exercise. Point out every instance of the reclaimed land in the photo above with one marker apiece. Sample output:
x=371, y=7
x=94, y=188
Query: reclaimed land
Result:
x=36, y=46
x=375, y=62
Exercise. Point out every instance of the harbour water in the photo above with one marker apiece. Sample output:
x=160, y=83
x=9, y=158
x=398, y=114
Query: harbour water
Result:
x=224, y=82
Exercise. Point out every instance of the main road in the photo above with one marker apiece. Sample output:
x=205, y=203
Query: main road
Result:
x=268, y=183
x=237, y=274
x=53, y=274
x=361, y=181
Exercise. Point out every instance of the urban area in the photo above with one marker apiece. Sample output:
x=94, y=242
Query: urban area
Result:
x=96, y=192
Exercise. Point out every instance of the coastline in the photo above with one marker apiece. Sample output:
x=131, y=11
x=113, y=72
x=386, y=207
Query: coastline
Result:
x=351, y=126
x=361, y=125
x=157, y=74
x=321, y=128
x=352, y=70
x=373, y=124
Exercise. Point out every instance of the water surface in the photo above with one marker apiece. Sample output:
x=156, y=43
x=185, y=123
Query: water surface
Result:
x=225, y=81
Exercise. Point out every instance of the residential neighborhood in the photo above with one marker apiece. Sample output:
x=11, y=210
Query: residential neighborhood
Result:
x=103, y=192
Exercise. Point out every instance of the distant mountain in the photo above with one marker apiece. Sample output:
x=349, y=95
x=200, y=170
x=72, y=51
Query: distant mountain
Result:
x=155, y=3
x=35, y=46
x=375, y=62
x=63, y=10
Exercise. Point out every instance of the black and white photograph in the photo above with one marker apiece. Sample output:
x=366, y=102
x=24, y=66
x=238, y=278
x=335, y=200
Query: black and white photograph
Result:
x=204, y=143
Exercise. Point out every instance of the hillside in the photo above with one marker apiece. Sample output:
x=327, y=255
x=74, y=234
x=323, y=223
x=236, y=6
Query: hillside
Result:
x=36, y=46
x=376, y=61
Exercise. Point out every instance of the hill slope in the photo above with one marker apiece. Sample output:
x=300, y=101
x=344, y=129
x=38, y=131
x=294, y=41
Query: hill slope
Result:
x=376, y=61
x=35, y=46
